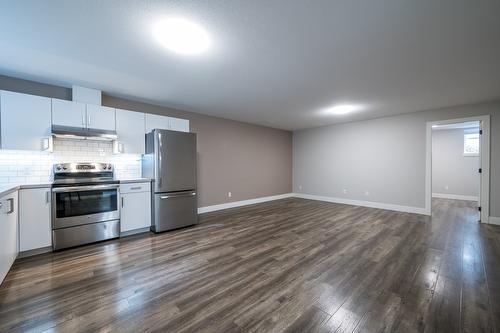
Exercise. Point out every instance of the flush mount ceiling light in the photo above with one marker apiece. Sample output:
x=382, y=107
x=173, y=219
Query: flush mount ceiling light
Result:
x=181, y=36
x=343, y=109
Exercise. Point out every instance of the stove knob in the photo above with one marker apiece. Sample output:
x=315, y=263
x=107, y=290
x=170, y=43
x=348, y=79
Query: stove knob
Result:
x=58, y=168
x=65, y=168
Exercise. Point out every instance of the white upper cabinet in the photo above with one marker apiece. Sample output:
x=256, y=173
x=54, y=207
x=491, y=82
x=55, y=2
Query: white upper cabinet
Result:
x=130, y=130
x=34, y=219
x=100, y=117
x=75, y=114
x=68, y=113
x=177, y=124
x=25, y=120
x=156, y=121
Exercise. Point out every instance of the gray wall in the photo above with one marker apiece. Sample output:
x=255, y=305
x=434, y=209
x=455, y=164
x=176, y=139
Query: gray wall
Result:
x=385, y=156
x=249, y=161
x=452, y=172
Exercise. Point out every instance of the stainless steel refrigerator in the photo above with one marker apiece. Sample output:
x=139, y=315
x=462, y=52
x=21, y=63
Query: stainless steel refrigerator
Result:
x=170, y=161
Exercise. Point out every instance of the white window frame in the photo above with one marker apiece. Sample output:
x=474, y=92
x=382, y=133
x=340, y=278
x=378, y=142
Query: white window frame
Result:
x=466, y=154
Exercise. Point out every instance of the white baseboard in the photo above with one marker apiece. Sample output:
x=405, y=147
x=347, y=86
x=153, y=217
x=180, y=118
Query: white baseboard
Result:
x=494, y=220
x=242, y=203
x=455, y=196
x=371, y=204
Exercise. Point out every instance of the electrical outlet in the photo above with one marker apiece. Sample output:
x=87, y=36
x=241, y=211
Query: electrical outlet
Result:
x=367, y=193
x=229, y=194
x=300, y=187
x=345, y=191
x=446, y=187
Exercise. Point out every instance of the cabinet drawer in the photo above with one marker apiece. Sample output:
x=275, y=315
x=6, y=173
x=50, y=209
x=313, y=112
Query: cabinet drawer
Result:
x=135, y=187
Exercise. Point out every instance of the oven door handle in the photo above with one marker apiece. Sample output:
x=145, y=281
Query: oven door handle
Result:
x=85, y=188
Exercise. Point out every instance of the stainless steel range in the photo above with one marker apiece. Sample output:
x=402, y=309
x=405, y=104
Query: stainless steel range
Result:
x=85, y=204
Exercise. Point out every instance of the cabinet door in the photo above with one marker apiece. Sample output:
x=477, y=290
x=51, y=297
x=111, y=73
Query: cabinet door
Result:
x=68, y=113
x=100, y=117
x=155, y=121
x=9, y=247
x=25, y=120
x=34, y=219
x=136, y=211
x=130, y=131
x=177, y=124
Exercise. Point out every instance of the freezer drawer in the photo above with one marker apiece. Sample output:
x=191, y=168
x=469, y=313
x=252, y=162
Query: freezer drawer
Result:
x=174, y=210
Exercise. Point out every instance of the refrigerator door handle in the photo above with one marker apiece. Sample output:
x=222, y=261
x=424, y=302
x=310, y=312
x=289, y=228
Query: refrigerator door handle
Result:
x=178, y=195
x=160, y=153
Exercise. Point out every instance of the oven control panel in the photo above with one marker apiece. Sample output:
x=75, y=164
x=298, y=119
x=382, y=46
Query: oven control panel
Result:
x=82, y=167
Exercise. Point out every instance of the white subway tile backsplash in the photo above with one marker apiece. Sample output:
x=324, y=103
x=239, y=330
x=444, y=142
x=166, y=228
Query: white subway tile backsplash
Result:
x=34, y=167
x=17, y=180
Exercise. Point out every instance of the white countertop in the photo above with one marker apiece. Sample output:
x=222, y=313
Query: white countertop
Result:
x=9, y=188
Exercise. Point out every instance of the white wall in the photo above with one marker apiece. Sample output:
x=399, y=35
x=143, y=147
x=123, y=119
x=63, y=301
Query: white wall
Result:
x=384, y=156
x=23, y=167
x=453, y=173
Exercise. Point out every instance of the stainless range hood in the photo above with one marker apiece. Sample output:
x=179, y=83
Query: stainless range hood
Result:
x=82, y=133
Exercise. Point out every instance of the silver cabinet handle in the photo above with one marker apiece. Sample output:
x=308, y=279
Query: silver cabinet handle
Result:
x=122, y=201
x=83, y=120
x=136, y=188
x=11, y=205
x=90, y=121
x=178, y=195
x=47, y=197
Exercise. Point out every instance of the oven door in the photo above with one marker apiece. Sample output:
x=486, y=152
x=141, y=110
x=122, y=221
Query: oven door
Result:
x=78, y=205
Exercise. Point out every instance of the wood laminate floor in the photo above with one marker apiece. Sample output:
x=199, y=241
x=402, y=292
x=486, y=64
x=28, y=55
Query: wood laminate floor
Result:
x=292, y=265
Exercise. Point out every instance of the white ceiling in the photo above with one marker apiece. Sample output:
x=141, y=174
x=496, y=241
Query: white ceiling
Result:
x=276, y=63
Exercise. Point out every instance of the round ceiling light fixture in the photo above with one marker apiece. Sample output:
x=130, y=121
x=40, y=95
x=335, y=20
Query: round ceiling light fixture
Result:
x=342, y=109
x=181, y=36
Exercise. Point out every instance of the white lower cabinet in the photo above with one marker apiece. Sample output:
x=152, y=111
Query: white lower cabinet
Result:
x=9, y=247
x=135, y=206
x=34, y=219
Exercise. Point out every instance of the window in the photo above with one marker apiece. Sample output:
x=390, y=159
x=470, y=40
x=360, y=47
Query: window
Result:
x=471, y=144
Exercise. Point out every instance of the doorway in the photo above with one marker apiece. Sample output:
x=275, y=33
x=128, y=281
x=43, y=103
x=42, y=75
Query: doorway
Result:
x=458, y=162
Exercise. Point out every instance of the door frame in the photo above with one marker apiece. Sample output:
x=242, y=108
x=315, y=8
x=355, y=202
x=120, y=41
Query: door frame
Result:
x=485, y=163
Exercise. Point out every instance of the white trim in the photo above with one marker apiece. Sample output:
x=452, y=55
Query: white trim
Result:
x=455, y=196
x=494, y=220
x=485, y=162
x=234, y=204
x=371, y=204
